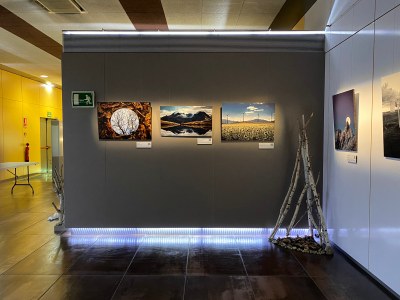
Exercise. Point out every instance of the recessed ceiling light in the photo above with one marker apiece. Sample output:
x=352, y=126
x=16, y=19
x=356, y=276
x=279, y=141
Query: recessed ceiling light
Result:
x=44, y=76
x=48, y=85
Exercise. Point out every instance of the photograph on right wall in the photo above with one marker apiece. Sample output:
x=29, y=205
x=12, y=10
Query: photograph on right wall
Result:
x=391, y=115
x=345, y=121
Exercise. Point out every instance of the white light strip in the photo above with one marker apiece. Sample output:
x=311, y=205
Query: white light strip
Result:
x=184, y=231
x=177, y=237
x=169, y=241
x=194, y=33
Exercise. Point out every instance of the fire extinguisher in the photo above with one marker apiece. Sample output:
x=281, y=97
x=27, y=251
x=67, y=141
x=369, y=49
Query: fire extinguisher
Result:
x=27, y=152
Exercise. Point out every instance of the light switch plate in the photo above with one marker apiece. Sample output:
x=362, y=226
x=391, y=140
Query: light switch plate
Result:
x=204, y=141
x=265, y=146
x=143, y=145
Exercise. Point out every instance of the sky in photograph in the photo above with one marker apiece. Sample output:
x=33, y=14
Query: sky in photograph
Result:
x=343, y=107
x=389, y=98
x=168, y=110
x=251, y=111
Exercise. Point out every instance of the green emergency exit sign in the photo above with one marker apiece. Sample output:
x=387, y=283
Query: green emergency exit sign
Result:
x=82, y=99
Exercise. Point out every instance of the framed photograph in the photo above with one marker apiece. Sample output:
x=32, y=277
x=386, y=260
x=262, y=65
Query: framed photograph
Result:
x=248, y=122
x=124, y=121
x=345, y=120
x=391, y=115
x=186, y=121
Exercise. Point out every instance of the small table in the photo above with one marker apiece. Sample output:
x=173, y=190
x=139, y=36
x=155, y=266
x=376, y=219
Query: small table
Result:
x=14, y=165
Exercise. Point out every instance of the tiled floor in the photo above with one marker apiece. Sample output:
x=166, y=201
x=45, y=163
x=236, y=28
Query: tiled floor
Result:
x=36, y=264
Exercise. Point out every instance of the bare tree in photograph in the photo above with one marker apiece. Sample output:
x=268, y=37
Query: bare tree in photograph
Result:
x=124, y=121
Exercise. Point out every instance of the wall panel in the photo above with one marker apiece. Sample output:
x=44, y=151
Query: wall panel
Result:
x=32, y=133
x=361, y=201
x=30, y=91
x=1, y=135
x=347, y=18
x=348, y=200
x=177, y=183
x=11, y=84
x=12, y=126
x=382, y=7
x=385, y=175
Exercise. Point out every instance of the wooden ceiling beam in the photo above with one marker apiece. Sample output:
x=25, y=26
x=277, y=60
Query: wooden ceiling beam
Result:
x=290, y=14
x=19, y=27
x=145, y=14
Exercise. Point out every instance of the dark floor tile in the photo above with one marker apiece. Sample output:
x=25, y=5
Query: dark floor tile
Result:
x=326, y=265
x=217, y=287
x=25, y=287
x=268, y=259
x=103, y=261
x=83, y=287
x=55, y=257
x=285, y=287
x=159, y=261
x=350, y=288
x=151, y=287
x=215, y=262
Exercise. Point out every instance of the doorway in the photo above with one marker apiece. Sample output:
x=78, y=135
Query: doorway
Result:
x=46, y=161
x=51, y=146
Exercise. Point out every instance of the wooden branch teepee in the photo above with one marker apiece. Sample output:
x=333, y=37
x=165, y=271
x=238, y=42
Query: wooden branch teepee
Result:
x=314, y=211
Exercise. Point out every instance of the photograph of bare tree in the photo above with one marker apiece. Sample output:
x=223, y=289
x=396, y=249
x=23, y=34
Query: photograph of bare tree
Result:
x=345, y=121
x=391, y=115
x=124, y=121
x=247, y=122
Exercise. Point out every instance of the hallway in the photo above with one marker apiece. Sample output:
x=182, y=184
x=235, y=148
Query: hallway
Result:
x=37, y=264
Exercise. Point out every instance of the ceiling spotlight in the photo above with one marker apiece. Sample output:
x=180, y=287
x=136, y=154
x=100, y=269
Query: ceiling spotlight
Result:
x=44, y=76
x=48, y=86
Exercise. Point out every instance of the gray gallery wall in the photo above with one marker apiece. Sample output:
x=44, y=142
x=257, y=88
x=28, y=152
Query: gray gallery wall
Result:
x=178, y=183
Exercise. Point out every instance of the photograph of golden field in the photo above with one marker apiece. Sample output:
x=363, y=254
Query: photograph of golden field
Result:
x=247, y=122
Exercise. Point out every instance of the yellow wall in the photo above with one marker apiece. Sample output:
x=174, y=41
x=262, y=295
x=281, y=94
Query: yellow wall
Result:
x=21, y=98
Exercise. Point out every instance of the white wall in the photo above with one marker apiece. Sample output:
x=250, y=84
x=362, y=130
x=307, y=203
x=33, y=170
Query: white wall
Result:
x=362, y=201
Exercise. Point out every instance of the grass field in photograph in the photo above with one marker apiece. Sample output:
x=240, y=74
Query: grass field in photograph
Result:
x=246, y=131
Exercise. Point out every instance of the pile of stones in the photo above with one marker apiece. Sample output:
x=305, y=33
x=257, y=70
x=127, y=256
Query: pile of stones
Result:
x=305, y=244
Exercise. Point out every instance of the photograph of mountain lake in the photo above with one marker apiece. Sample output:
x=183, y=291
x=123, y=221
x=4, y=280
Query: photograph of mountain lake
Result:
x=124, y=120
x=247, y=122
x=391, y=115
x=186, y=121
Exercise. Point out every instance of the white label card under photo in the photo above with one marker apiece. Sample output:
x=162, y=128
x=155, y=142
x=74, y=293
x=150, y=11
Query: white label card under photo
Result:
x=204, y=141
x=265, y=146
x=143, y=145
x=352, y=159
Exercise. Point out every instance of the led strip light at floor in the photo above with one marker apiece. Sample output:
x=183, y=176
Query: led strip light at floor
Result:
x=184, y=231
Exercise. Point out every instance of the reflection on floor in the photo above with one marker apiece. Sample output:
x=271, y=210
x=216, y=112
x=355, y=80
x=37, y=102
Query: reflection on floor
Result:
x=35, y=263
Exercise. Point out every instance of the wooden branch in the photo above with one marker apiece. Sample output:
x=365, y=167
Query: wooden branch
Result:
x=289, y=195
x=296, y=211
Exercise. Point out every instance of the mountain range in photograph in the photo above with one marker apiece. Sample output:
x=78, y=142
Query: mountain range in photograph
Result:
x=189, y=121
